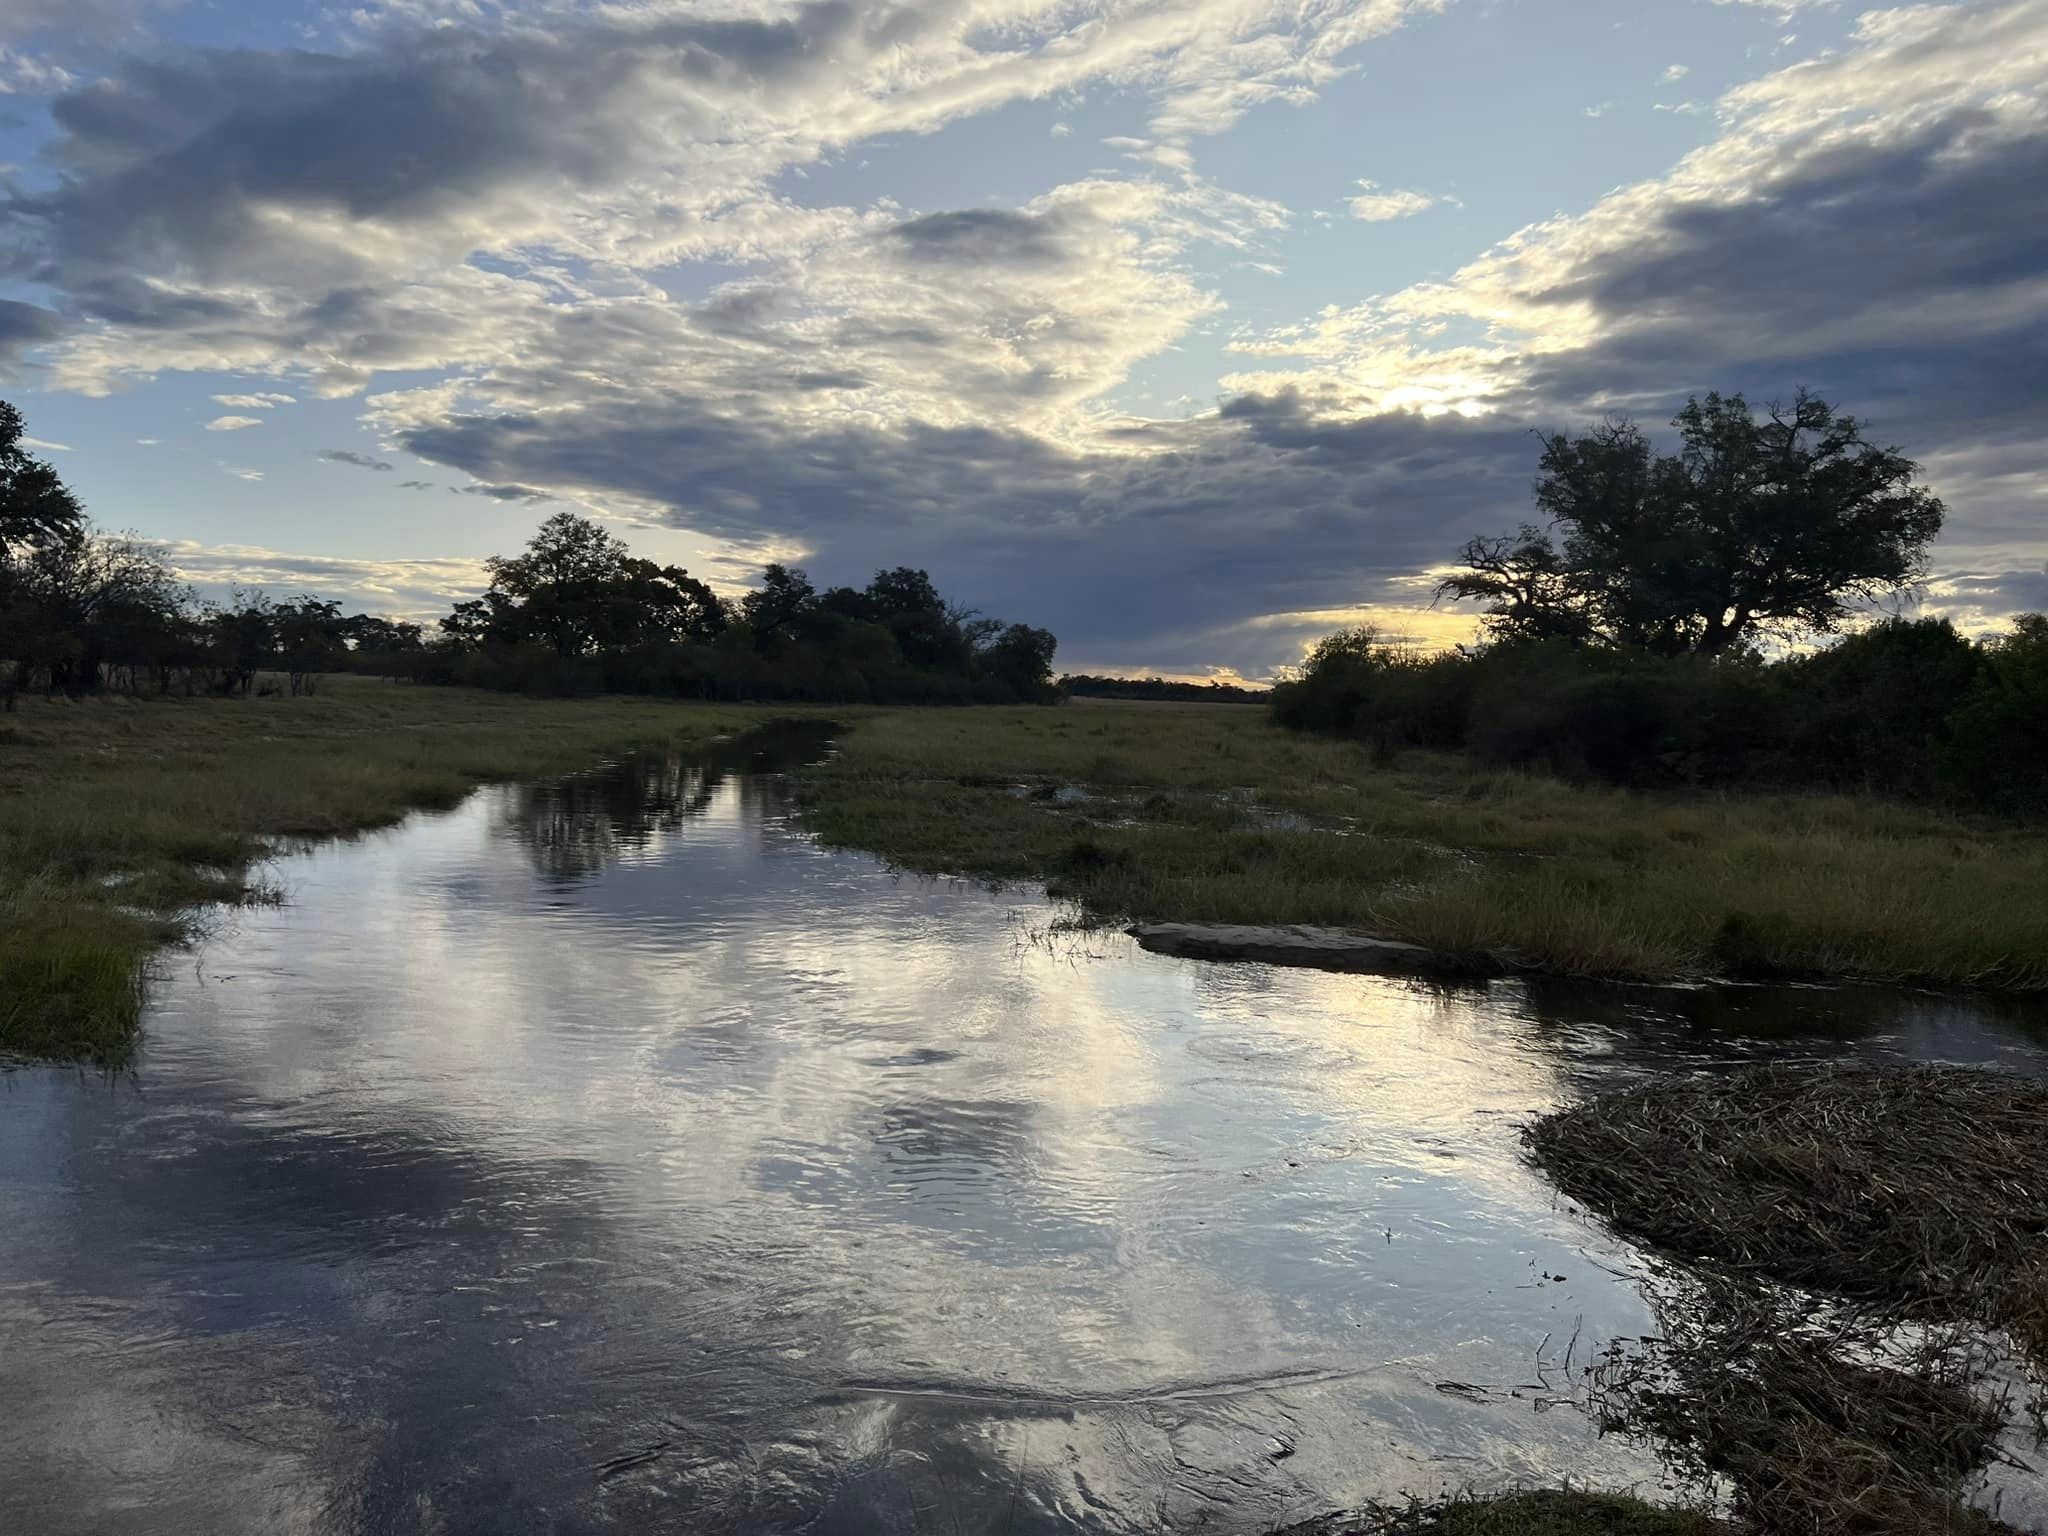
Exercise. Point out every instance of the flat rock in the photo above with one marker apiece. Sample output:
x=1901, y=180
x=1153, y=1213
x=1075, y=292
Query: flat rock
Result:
x=1329, y=949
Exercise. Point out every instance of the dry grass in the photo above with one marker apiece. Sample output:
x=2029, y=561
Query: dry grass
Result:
x=1861, y=1236
x=1917, y=1193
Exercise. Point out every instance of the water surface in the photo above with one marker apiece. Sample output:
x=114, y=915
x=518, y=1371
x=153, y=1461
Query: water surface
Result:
x=606, y=1156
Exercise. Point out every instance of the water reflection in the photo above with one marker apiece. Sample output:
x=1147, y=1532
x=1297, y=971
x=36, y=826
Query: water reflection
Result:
x=580, y=825
x=608, y=1157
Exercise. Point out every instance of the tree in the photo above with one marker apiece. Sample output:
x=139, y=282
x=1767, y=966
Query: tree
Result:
x=1021, y=659
x=783, y=597
x=35, y=507
x=579, y=590
x=1756, y=527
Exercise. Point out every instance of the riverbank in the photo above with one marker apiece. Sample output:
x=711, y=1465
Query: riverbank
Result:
x=122, y=819
x=1209, y=813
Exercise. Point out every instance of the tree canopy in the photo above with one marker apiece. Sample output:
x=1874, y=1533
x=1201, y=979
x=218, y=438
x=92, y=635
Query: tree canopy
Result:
x=36, y=508
x=580, y=590
x=1758, y=526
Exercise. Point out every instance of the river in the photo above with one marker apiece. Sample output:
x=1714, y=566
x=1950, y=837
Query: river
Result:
x=605, y=1155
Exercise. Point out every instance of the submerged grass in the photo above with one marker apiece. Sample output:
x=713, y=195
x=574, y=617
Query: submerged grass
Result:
x=1859, y=1238
x=1542, y=1512
x=1199, y=812
x=1918, y=1193
x=118, y=819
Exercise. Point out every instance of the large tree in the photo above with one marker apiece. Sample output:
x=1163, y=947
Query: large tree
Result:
x=580, y=590
x=35, y=507
x=1758, y=526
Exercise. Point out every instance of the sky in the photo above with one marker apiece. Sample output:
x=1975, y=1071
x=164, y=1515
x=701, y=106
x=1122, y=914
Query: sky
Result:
x=1189, y=329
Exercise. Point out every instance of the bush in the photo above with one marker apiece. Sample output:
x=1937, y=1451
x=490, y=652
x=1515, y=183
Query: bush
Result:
x=1906, y=707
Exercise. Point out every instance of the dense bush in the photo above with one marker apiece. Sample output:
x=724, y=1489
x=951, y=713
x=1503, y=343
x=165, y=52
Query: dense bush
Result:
x=1907, y=707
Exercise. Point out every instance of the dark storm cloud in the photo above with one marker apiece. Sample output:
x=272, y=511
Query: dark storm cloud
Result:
x=1903, y=276
x=359, y=460
x=1218, y=522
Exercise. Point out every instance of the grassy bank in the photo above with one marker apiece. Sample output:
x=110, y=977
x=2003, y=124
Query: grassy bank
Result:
x=120, y=817
x=1209, y=813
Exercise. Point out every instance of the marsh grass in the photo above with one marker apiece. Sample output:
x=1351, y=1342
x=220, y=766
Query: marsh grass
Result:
x=1574, y=880
x=119, y=820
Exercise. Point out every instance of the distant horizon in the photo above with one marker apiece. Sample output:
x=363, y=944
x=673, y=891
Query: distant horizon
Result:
x=1189, y=333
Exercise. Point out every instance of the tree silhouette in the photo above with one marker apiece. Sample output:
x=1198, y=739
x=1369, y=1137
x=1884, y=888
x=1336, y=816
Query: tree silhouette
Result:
x=1757, y=526
x=35, y=507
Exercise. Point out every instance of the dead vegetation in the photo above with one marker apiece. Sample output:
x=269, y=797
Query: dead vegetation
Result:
x=1855, y=1241
x=1918, y=1193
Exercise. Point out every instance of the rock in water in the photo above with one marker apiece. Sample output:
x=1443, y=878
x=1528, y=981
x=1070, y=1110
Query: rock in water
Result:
x=1330, y=949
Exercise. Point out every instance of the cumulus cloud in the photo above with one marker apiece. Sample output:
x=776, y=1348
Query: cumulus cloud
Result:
x=254, y=402
x=233, y=423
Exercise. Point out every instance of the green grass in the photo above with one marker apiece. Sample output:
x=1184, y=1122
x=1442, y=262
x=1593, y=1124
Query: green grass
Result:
x=118, y=819
x=1569, y=879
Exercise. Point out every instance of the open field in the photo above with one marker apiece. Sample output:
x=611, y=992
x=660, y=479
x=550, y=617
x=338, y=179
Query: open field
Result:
x=1209, y=813
x=120, y=818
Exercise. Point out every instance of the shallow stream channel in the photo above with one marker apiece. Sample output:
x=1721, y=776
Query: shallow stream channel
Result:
x=606, y=1155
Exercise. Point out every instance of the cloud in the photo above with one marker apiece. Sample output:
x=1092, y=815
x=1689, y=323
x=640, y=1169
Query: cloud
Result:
x=1868, y=224
x=1377, y=204
x=255, y=402
x=233, y=423
x=82, y=21
x=414, y=589
x=519, y=493
x=575, y=224
x=1675, y=72
x=242, y=474
x=25, y=325
x=29, y=75
x=345, y=456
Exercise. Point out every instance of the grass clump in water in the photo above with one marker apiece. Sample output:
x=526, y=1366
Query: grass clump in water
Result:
x=1919, y=1193
x=1861, y=1237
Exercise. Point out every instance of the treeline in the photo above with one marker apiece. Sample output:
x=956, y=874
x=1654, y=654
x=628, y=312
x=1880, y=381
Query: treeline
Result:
x=1907, y=707
x=82, y=612
x=576, y=612
x=1625, y=639
x=1082, y=685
